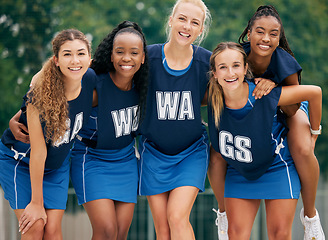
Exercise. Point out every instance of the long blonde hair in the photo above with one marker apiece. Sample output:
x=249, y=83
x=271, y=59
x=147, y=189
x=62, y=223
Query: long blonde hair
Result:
x=215, y=91
x=48, y=94
x=206, y=21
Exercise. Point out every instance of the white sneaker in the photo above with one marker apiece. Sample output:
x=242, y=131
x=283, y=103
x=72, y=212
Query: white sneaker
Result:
x=312, y=227
x=222, y=222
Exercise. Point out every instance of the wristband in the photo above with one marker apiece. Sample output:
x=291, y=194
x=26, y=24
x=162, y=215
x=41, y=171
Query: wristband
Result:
x=316, y=132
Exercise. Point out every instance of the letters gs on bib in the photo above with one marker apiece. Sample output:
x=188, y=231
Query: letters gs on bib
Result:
x=172, y=106
x=235, y=148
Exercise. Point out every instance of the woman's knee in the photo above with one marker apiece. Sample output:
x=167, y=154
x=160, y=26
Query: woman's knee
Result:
x=240, y=233
x=106, y=229
x=280, y=232
x=177, y=220
x=52, y=230
x=36, y=231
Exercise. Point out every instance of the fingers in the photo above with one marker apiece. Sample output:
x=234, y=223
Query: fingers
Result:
x=21, y=134
x=23, y=127
x=26, y=227
x=25, y=222
x=263, y=87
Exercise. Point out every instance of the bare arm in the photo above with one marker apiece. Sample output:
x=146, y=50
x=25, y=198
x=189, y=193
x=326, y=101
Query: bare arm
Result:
x=312, y=94
x=18, y=129
x=290, y=110
x=35, y=209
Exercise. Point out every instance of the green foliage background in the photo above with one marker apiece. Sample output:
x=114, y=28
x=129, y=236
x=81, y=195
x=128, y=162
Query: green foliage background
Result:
x=27, y=27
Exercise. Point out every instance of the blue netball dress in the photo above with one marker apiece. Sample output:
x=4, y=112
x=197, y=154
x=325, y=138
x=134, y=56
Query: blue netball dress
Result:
x=103, y=161
x=173, y=145
x=254, y=144
x=14, y=156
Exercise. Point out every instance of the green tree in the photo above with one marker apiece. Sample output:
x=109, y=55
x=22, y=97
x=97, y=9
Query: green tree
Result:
x=26, y=29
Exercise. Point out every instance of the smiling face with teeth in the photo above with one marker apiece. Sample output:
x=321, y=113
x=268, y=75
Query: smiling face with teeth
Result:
x=127, y=57
x=230, y=68
x=186, y=23
x=264, y=36
x=73, y=59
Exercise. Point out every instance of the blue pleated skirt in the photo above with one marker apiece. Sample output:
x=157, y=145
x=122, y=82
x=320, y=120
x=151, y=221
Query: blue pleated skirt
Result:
x=104, y=174
x=280, y=181
x=159, y=172
x=16, y=184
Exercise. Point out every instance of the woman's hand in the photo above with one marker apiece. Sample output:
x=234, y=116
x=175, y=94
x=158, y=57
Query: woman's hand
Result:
x=18, y=129
x=263, y=87
x=31, y=214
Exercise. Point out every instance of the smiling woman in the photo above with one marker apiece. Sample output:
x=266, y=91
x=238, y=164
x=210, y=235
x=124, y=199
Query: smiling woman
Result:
x=127, y=57
x=54, y=110
x=272, y=63
x=255, y=148
x=174, y=144
x=104, y=169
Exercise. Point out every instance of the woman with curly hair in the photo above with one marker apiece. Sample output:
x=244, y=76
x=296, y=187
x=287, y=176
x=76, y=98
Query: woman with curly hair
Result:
x=35, y=176
x=104, y=169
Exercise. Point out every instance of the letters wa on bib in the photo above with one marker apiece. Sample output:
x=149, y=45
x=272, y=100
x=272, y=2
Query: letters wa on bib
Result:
x=173, y=145
x=14, y=156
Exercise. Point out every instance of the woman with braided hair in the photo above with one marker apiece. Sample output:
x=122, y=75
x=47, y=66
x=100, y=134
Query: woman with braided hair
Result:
x=104, y=169
x=272, y=63
x=246, y=133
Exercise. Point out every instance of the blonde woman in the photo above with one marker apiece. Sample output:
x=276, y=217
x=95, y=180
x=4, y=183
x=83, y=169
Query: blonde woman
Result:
x=246, y=133
x=174, y=145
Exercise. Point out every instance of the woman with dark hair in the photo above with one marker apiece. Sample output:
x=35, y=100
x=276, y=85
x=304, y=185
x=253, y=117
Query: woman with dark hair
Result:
x=272, y=63
x=104, y=169
x=246, y=133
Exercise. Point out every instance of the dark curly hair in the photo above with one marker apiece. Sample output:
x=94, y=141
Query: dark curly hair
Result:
x=267, y=10
x=101, y=61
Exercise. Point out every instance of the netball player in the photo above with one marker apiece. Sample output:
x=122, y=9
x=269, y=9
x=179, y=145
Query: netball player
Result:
x=104, y=168
x=35, y=176
x=271, y=58
x=174, y=144
x=245, y=132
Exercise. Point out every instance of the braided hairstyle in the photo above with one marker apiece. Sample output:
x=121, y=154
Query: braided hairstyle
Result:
x=101, y=62
x=265, y=11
